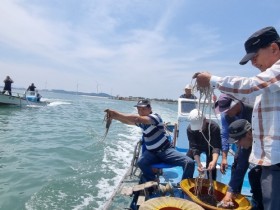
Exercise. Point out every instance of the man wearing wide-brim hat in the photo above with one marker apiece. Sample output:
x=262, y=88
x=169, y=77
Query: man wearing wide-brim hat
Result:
x=240, y=133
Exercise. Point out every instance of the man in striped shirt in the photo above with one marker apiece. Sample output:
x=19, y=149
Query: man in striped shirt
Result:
x=158, y=147
x=263, y=50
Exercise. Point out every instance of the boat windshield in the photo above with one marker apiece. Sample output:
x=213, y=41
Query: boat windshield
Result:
x=187, y=106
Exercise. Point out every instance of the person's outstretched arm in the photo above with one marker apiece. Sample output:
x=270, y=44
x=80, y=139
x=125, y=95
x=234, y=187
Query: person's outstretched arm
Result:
x=130, y=119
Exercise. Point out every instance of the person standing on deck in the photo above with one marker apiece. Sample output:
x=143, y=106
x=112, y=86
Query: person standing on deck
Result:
x=158, y=147
x=263, y=50
x=8, y=85
x=31, y=87
x=200, y=141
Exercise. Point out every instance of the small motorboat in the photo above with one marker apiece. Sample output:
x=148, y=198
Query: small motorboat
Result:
x=27, y=98
x=33, y=96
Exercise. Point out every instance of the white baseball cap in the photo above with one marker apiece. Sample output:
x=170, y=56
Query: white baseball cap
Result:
x=196, y=119
x=188, y=86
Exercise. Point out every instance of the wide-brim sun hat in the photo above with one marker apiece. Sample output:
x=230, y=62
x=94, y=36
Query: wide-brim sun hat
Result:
x=238, y=129
x=224, y=103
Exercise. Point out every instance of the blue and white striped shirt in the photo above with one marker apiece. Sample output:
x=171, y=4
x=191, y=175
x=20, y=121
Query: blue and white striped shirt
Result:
x=154, y=134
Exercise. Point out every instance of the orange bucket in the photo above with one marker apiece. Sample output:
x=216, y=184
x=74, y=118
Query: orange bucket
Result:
x=220, y=189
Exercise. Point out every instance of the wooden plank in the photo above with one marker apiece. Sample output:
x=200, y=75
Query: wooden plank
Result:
x=141, y=200
x=127, y=191
x=144, y=186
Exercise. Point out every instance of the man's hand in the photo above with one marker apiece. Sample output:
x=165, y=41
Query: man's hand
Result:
x=224, y=166
x=202, y=79
x=227, y=200
x=200, y=168
x=212, y=165
x=110, y=113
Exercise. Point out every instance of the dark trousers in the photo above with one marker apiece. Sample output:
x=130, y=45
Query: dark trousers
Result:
x=9, y=91
x=233, y=168
x=254, y=176
x=270, y=182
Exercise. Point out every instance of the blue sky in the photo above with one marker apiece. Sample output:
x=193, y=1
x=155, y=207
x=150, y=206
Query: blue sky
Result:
x=148, y=48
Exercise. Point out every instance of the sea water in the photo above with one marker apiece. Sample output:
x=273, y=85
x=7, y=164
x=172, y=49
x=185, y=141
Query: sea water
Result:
x=54, y=156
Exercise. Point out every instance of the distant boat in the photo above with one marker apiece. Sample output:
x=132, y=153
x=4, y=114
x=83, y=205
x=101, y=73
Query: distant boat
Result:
x=28, y=98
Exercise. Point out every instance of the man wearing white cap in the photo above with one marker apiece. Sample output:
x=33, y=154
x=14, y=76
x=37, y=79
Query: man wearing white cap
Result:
x=188, y=92
x=204, y=136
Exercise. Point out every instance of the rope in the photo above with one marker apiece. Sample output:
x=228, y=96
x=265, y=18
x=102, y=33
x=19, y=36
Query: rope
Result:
x=198, y=184
x=205, y=99
x=211, y=186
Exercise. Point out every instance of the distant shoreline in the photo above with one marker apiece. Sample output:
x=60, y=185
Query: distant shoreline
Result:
x=104, y=95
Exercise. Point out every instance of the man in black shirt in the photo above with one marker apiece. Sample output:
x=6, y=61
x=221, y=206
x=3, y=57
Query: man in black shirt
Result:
x=200, y=141
x=31, y=87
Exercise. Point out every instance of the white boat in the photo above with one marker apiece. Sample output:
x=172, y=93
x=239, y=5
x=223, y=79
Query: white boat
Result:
x=172, y=192
x=28, y=98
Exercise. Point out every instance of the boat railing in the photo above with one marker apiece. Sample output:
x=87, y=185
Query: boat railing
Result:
x=17, y=94
x=31, y=93
x=23, y=94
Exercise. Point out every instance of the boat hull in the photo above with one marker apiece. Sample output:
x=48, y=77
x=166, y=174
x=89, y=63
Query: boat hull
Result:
x=16, y=100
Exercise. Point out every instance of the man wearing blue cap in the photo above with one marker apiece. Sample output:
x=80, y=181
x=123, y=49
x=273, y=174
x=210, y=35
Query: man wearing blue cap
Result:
x=263, y=50
x=158, y=147
x=231, y=110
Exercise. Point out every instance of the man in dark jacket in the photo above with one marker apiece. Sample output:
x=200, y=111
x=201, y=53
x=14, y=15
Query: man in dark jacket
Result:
x=8, y=85
x=31, y=87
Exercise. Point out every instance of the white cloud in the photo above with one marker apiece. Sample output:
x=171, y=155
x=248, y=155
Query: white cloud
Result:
x=137, y=47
